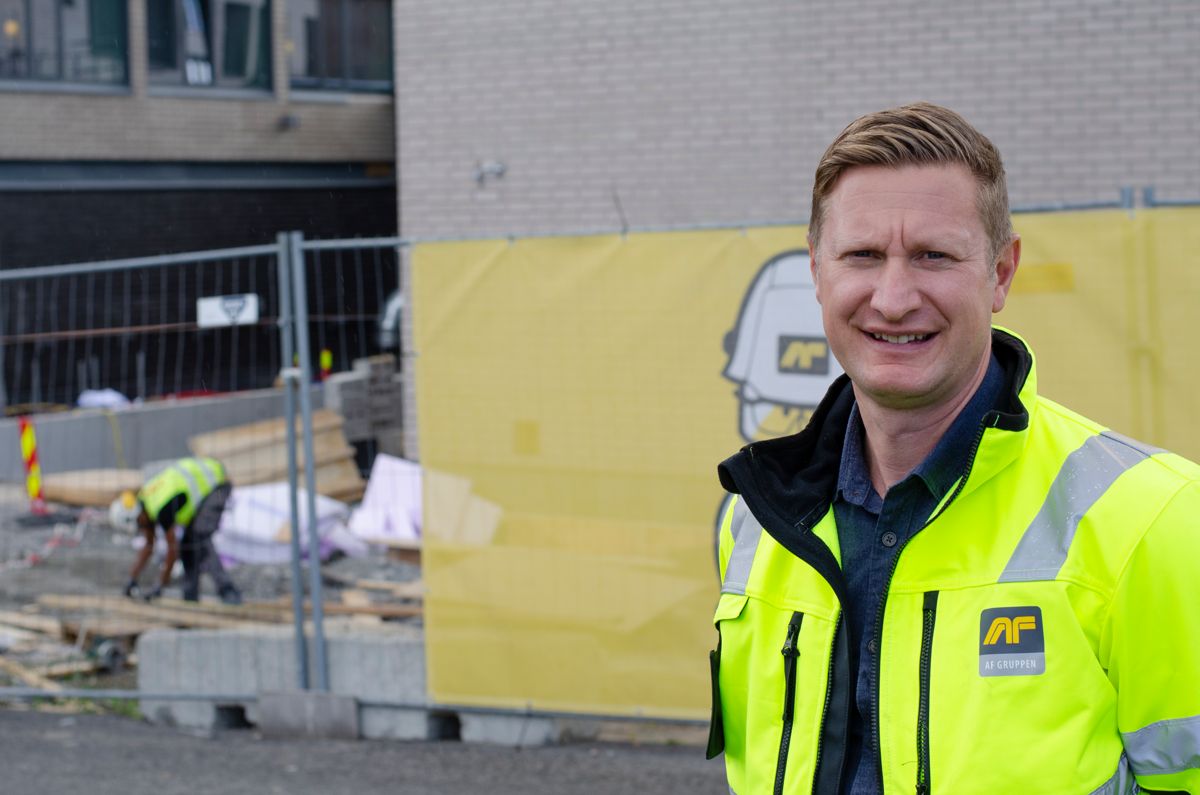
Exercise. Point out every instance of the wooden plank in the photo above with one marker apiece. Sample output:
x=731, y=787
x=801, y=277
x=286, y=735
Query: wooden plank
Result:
x=91, y=629
x=212, y=616
x=162, y=613
x=27, y=675
x=401, y=590
x=353, y=597
x=68, y=668
x=258, y=434
x=269, y=462
x=94, y=487
x=38, y=623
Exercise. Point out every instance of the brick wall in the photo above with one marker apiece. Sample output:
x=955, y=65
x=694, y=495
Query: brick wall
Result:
x=680, y=112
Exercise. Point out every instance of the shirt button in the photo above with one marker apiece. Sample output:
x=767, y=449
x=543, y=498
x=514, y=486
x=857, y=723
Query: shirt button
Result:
x=872, y=646
x=889, y=539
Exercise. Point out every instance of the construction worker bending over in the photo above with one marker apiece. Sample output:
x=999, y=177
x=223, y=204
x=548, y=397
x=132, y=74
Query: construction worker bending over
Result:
x=191, y=493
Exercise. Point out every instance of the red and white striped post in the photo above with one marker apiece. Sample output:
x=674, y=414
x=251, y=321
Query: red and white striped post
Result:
x=33, y=470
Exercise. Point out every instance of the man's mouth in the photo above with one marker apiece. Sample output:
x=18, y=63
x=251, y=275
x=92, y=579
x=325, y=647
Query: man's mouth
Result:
x=900, y=339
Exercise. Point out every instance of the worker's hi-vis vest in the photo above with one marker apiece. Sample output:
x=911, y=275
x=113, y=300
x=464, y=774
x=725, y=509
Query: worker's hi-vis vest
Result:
x=1040, y=635
x=194, y=477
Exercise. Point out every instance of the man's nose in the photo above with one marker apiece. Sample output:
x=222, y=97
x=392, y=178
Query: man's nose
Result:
x=895, y=293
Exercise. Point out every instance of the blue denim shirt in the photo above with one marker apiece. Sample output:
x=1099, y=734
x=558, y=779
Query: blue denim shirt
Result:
x=872, y=530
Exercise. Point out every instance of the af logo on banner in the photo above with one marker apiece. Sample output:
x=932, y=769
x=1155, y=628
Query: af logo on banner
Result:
x=1011, y=642
x=227, y=310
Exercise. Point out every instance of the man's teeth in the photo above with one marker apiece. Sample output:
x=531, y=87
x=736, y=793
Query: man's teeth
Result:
x=900, y=339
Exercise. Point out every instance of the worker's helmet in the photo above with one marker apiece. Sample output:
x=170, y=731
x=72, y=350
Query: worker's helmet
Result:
x=123, y=512
x=778, y=354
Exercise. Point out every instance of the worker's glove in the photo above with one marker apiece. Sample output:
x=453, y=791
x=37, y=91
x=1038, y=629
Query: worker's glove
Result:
x=132, y=590
x=153, y=594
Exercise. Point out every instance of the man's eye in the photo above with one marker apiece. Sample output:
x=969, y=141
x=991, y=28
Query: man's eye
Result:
x=935, y=255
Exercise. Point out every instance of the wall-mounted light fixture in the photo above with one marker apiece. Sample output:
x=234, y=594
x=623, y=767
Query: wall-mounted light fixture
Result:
x=490, y=169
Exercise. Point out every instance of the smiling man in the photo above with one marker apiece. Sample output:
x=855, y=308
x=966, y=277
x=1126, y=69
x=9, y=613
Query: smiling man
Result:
x=947, y=582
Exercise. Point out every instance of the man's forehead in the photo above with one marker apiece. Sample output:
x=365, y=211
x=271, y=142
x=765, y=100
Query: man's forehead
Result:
x=924, y=201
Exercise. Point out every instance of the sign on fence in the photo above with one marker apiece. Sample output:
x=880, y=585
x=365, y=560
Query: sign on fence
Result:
x=227, y=310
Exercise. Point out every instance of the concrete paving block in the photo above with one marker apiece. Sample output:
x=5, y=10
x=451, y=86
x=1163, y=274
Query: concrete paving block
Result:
x=376, y=666
x=198, y=716
x=512, y=730
x=391, y=723
x=299, y=713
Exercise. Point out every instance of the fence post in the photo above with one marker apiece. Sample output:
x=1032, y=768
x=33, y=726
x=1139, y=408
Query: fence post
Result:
x=290, y=378
x=3, y=388
x=300, y=292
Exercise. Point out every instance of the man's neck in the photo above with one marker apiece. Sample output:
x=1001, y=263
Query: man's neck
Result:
x=898, y=440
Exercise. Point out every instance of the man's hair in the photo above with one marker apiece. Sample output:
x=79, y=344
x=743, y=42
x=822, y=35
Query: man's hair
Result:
x=912, y=135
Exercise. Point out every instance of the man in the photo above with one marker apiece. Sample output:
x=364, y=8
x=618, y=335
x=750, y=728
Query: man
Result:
x=975, y=590
x=191, y=493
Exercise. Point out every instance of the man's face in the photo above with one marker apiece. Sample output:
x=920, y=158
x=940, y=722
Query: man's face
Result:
x=905, y=285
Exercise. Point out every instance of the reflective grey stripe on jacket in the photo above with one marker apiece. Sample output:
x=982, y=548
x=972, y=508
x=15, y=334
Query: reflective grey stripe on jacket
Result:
x=1122, y=782
x=1085, y=475
x=746, y=532
x=214, y=479
x=193, y=487
x=1169, y=746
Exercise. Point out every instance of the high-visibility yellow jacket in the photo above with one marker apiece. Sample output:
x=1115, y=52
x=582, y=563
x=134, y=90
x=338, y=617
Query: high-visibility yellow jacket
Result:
x=194, y=478
x=1040, y=635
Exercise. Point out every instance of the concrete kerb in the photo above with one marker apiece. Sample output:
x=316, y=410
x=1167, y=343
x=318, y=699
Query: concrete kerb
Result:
x=369, y=673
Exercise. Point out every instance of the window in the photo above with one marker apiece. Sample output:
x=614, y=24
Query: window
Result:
x=341, y=44
x=209, y=42
x=78, y=41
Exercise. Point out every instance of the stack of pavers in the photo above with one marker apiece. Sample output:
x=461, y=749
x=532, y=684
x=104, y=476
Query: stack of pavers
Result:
x=369, y=399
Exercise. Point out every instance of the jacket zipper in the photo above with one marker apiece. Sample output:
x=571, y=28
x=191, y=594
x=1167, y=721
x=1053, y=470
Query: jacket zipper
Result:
x=929, y=617
x=962, y=481
x=825, y=706
x=790, y=653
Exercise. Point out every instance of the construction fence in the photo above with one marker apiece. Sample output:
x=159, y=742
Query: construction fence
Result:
x=281, y=360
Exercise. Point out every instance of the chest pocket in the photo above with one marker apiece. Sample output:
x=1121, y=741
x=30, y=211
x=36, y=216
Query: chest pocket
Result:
x=729, y=608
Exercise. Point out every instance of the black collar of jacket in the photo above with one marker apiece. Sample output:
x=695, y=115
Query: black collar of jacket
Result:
x=799, y=473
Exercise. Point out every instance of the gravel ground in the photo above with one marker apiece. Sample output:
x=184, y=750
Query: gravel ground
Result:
x=51, y=754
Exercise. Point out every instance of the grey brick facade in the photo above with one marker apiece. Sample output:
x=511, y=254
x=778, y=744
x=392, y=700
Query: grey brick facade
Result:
x=679, y=112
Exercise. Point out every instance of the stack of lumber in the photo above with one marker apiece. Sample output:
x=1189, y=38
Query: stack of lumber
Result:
x=257, y=453
x=96, y=487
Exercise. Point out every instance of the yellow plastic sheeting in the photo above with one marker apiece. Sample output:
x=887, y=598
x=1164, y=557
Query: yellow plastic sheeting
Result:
x=575, y=385
x=1107, y=299
x=576, y=394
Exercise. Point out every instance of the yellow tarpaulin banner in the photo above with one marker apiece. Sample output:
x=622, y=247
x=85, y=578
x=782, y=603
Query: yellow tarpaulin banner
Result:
x=575, y=395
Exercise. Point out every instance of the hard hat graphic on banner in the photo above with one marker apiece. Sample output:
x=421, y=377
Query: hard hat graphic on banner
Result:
x=778, y=354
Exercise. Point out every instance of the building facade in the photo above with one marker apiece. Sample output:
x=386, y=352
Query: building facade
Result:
x=138, y=127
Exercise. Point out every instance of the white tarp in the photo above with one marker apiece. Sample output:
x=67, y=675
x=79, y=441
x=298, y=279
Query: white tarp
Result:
x=391, y=506
x=256, y=525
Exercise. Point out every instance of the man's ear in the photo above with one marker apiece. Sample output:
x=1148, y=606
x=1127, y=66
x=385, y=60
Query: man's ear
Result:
x=812, y=268
x=1006, y=271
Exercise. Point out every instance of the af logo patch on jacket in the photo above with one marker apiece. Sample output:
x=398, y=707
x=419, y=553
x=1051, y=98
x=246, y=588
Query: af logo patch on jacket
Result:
x=1011, y=642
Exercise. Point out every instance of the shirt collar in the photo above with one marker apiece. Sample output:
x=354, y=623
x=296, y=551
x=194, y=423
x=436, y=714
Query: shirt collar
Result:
x=944, y=464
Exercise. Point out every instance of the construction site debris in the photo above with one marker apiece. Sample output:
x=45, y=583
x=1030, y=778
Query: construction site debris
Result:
x=256, y=525
x=391, y=507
